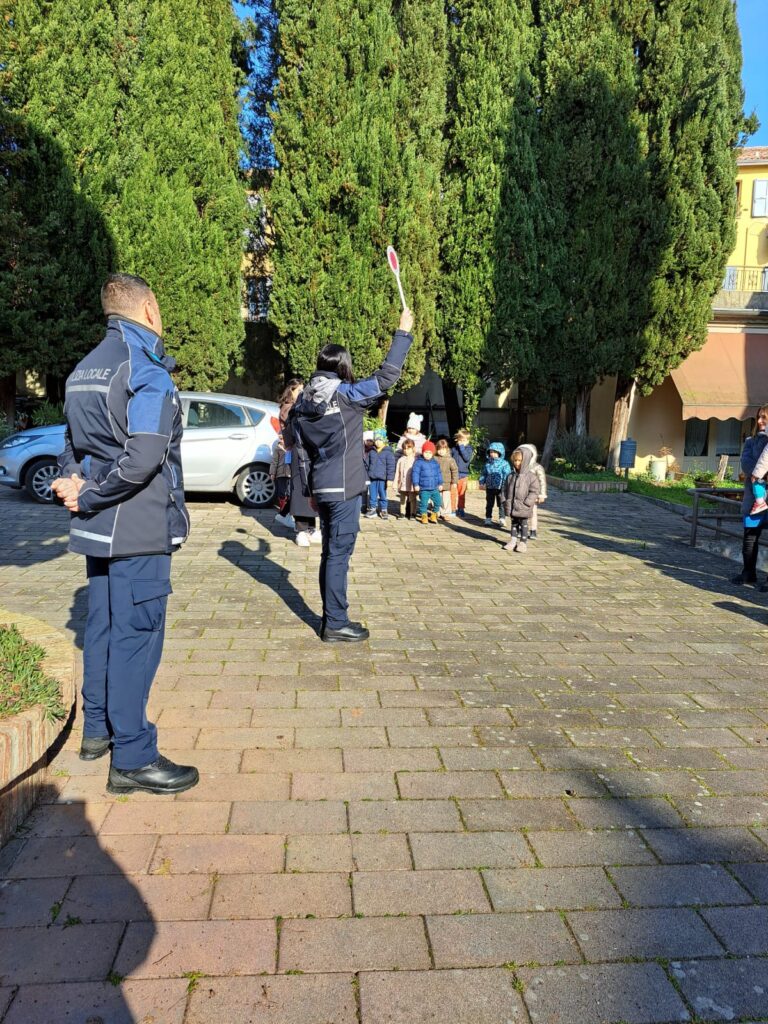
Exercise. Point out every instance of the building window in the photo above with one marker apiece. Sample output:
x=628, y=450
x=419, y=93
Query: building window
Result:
x=696, y=433
x=728, y=437
x=738, y=198
x=257, y=297
x=760, y=198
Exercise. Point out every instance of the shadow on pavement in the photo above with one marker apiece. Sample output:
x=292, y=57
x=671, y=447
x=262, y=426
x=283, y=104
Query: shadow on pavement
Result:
x=265, y=570
x=72, y=924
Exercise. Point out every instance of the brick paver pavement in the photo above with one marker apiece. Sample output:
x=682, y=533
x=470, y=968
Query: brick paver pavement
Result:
x=538, y=795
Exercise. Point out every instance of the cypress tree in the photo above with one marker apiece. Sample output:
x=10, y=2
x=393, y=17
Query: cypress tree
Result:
x=142, y=99
x=691, y=100
x=592, y=169
x=358, y=166
x=492, y=195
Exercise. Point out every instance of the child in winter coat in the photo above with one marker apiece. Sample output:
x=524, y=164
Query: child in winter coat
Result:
x=760, y=453
x=538, y=469
x=380, y=465
x=413, y=433
x=492, y=480
x=521, y=489
x=449, y=469
x=427, y=480
x=280, y=474
x=462, y=453
x=404, y=480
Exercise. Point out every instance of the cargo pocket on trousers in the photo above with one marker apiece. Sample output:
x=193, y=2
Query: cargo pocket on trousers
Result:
x=149, y=601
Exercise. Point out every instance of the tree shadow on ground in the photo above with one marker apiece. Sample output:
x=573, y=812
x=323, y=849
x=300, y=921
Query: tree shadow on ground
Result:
x=72, y=925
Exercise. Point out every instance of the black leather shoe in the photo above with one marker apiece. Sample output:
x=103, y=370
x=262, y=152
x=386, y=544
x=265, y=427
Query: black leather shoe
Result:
x=352, y=633
x=161, y=776
x=92, y=748
x=740, y=580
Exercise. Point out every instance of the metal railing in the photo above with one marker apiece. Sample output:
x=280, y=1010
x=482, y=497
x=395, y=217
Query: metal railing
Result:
x=745, y=279
x=730, y=512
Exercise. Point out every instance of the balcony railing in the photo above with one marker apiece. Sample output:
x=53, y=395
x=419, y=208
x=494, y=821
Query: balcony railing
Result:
x=745, y=279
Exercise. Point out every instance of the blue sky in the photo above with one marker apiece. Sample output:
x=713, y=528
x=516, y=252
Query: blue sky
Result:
x=753, y=22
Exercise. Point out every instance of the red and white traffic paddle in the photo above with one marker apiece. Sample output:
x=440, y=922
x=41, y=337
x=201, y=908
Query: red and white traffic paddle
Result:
x=394, y=266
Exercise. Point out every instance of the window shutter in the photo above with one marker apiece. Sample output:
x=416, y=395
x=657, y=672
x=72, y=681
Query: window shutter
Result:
x=760, y=198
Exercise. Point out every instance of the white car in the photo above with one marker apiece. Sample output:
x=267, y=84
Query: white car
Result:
x=226, y=447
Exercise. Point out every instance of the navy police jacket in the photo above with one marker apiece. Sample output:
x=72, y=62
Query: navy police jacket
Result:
x=123, y=437
x=328, y=424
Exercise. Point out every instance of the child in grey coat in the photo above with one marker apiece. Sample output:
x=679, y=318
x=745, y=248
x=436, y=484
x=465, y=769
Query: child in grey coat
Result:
x=521, y=491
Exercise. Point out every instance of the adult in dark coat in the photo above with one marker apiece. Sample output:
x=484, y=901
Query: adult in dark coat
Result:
x=328, y=429
x=299, y=506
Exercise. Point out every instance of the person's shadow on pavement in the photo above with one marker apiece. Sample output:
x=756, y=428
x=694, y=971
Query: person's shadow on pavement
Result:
x=257, y=564
x=73, y=927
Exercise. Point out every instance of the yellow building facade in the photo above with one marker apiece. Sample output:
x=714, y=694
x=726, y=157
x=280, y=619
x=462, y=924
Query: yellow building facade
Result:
x=705, y=408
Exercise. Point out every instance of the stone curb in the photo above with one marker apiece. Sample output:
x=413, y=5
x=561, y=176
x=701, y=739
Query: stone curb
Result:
x=588, y=486
x=26, y=738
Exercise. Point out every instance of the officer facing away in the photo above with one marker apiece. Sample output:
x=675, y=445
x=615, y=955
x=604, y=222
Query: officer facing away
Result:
x=121, y=480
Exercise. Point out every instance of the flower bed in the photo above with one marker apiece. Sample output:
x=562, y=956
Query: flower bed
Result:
x=27, y=736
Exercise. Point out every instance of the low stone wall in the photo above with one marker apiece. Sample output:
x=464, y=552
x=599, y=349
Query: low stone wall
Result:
x=612, y=484
x=26, y=738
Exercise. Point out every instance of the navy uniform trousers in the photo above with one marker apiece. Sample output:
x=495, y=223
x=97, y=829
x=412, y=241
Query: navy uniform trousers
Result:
x=339, y=525
x=124, y=633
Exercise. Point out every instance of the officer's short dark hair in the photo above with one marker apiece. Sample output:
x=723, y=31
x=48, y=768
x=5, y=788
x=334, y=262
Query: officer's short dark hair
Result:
x=336, y=359
x=123, y=293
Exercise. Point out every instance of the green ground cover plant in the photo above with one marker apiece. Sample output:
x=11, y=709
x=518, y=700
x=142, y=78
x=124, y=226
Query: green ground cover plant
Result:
x=23, y=684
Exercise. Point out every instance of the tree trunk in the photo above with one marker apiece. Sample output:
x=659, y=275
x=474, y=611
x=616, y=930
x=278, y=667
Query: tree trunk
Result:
x=8, y=398
x=581, y=411
x=622, y=410
x=382, y=413
x=549, y=443
x=521, y=418
x=453, y=410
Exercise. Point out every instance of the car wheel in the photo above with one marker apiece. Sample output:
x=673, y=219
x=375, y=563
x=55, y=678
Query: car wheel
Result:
x=253, y=487
x=38, y=479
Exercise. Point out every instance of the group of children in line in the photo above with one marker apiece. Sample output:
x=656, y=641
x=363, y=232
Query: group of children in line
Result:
x=431, y=481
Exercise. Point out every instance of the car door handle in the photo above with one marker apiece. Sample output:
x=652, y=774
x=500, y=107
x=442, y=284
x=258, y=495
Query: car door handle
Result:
x=237, y=437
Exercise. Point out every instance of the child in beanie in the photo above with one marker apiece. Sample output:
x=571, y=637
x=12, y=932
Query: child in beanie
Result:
x=492, y=480
x=380, y=465
x=427, y=480
x=521, y=489
x=404, y=479
x=413, y=433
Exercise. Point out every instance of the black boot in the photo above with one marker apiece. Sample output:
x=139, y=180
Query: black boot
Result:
x=352, y=633
x=161, y=776
x=94, y=747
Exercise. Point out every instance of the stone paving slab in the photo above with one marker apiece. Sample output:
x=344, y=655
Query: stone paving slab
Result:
x=507, y=810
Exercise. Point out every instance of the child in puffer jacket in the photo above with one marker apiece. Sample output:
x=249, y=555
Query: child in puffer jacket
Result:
x=540, y=472
x=427, y=480
x=521, y=489
x=492, y=480
x=380, y=466
x=280, y=474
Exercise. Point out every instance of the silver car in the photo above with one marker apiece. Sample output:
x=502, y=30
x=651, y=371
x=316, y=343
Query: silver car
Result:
x=226, y=447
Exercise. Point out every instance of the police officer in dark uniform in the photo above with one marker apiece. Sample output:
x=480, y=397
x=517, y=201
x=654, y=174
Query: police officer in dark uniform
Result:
x=327, y=420
x=121, y=480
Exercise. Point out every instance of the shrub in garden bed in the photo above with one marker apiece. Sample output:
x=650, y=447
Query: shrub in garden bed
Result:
x=23, y=684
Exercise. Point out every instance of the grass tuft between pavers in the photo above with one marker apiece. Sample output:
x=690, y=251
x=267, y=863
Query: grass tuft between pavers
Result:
x=23, y=684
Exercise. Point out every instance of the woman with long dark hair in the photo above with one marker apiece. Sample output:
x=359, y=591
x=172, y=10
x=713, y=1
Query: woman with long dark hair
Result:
x=327, y=422
x=304, y=515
